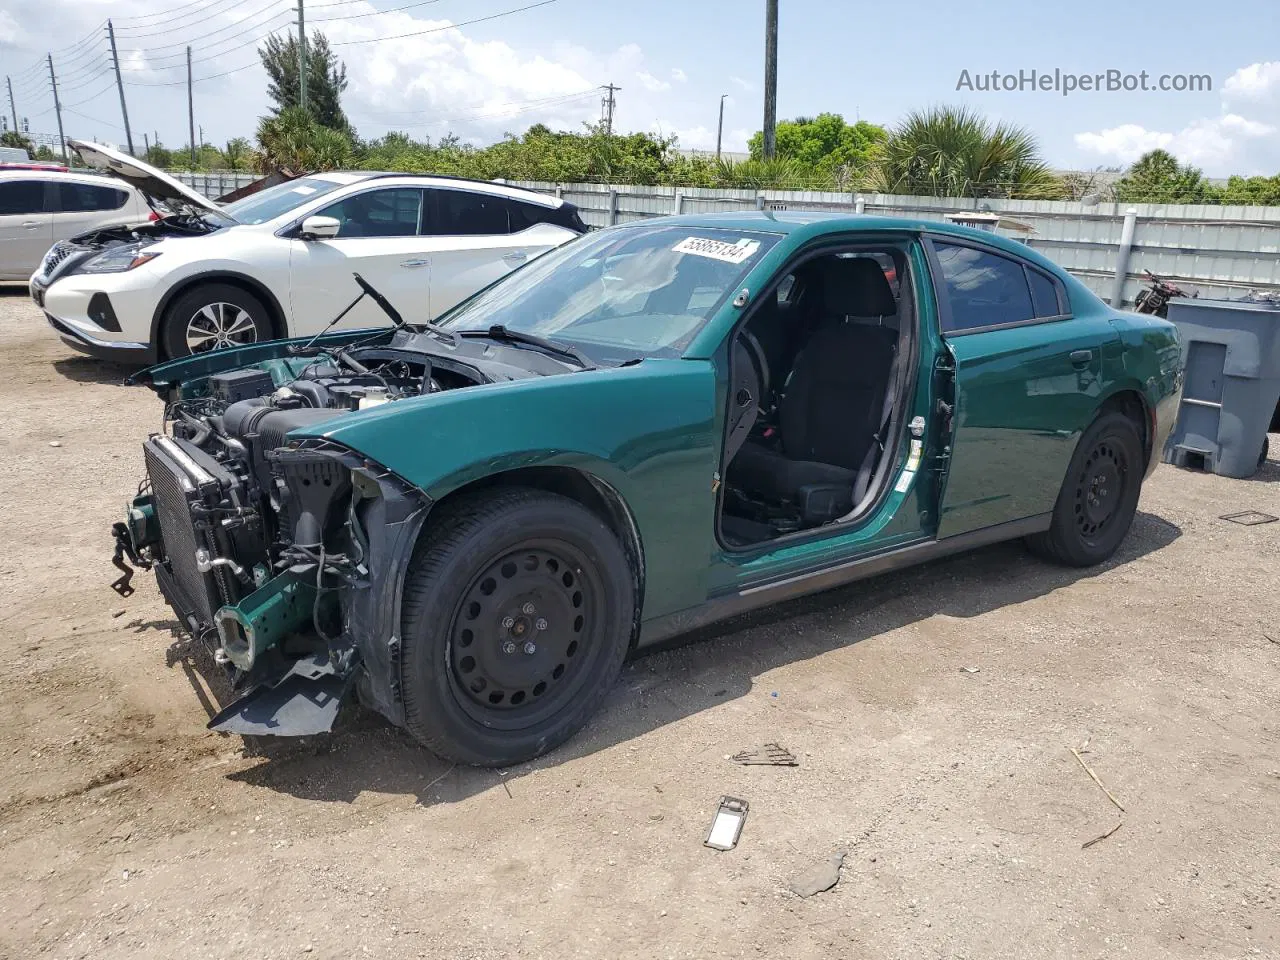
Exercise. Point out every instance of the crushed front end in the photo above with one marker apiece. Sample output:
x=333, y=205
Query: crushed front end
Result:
x=285, y=557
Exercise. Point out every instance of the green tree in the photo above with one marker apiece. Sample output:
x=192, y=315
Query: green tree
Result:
x=158, y=156
x=238, y=154
x=326, y=78
x=825, y=143
x=45, y=152
x=292, y=141
x=1158, y=177
x=955, y=152
x=12, y=138
x=1252, y=190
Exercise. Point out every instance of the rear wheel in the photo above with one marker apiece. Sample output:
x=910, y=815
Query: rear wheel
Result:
x=213, y=316
x=517, y=615
x=1099, y=496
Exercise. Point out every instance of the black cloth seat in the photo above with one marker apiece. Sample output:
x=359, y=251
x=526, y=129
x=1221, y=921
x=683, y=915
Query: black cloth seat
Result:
x=833, y=404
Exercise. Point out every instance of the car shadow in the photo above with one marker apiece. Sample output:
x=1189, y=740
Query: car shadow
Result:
x=707, y=668
x=83, y=369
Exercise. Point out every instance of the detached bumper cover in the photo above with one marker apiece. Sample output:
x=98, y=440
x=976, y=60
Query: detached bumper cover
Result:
x=302, y=701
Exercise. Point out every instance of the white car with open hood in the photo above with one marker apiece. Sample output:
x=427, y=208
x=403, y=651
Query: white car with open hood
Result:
x=280, y=262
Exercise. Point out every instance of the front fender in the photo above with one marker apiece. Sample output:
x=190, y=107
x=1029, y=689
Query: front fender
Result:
x=648, y=431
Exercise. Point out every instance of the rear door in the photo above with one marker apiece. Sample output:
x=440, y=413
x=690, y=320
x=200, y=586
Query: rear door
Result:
x=83, y=206
x=1027, y=379
x=26, y=225
x=475, y=238
x=379, y=240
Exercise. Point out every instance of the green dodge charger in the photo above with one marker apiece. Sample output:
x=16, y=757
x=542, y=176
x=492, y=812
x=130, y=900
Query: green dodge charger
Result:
x=468, y=523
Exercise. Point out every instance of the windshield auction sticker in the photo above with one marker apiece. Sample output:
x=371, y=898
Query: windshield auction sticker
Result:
x=738, y=252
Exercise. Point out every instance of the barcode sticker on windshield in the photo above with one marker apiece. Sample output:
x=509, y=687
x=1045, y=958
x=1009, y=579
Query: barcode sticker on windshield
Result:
x=738, y=252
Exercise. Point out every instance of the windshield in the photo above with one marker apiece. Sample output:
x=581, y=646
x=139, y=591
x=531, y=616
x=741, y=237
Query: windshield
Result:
x=278, y=200
x=621, y=294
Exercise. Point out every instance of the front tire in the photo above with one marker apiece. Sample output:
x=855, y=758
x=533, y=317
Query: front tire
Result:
x=517, y=614
x=1099, y=495
x=213, y=316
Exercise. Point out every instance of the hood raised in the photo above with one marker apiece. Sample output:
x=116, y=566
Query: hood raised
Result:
x=154, y=183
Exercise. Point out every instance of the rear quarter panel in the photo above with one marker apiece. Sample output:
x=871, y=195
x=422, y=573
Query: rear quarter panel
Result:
x=648, y=431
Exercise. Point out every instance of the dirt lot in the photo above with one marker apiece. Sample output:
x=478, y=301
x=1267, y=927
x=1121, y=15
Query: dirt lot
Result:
x=127, y=830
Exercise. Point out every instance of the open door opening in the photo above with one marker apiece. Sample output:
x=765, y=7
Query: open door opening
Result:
x=819, y=374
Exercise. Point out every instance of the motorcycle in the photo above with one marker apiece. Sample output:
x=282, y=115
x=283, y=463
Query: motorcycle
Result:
x=1155, y=299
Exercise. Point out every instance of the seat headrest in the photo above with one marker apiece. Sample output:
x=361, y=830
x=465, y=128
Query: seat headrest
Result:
x=856, y=287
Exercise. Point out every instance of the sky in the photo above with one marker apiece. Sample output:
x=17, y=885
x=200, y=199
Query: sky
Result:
x=480, y=68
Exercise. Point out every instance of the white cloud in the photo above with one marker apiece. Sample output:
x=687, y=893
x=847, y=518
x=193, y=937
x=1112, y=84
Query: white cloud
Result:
x=678, y=75
x=1258, y=81
x=652, y=83
x=1231, y=142
x=745, y=85
x=10, y=30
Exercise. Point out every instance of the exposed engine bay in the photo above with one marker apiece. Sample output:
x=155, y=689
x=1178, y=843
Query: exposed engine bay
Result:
x=281, y=554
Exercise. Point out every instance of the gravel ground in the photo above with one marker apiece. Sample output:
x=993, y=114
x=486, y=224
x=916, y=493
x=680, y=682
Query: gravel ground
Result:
x=127, y=829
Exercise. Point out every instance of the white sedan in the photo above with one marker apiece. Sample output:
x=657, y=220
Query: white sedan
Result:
x=280, y=262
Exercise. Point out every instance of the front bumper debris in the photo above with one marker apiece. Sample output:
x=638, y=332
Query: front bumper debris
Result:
x=301, y=701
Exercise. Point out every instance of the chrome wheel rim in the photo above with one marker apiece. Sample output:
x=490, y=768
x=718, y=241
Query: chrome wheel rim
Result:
x=216, y=326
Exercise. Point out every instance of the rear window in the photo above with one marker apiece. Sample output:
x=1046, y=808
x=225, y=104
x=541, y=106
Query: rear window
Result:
x=1044, y=294
x=984, y=290
x=463, y=213
x=22, y=196
x=83, y=197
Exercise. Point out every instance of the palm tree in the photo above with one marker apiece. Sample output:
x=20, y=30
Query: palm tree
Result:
x=955, y=152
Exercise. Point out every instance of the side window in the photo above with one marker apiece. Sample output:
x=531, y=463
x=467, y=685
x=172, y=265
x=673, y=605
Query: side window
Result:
x=463, y=213
x=983, y=289
x=22, y=196
x=1045, y=294
x=83, y=197
x=378, y=213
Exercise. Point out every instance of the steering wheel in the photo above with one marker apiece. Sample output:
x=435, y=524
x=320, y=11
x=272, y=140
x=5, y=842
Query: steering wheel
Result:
x=756, y=355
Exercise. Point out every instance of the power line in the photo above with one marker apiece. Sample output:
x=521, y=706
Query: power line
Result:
x=372, y=13
x=199, y=17
x=152, y=61
x=452, y=26
x=204, y=33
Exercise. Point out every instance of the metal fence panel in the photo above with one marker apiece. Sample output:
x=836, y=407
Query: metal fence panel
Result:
x=1224, y=251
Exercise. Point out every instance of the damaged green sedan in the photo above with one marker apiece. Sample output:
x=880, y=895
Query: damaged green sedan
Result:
x=470, y=523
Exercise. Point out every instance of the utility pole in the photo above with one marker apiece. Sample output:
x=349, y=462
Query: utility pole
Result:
x=146, y=146
x=608, y=103
x=302, y=57
x=770, y=76
x=12, y=107
x=191, y=110
x=720, y=125
x=124, y=111
x=57, y=106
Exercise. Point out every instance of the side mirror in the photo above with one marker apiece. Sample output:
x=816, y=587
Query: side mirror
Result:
x=319, y=228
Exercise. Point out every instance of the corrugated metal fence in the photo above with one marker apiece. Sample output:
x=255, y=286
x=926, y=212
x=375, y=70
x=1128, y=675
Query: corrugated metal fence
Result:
x=1222, y=251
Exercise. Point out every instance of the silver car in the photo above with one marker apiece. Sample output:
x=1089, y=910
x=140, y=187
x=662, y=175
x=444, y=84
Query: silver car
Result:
x=37, y=209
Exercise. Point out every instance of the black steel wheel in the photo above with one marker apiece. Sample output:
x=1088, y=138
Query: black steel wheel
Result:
x=516, y=634
x=1099, y=495
x=517, y=613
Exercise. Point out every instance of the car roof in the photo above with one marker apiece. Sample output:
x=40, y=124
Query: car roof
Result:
x=440, y=180
x=76, y=176
x=816, y=223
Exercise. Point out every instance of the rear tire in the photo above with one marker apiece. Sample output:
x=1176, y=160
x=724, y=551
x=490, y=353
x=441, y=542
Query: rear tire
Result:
x=213, y=316
x=517, y=615
x=1099, y=495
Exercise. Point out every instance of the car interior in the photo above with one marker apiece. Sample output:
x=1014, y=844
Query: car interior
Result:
x=818, y=373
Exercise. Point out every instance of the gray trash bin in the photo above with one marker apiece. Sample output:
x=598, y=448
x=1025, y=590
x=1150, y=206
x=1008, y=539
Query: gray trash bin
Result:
x=1231, y=350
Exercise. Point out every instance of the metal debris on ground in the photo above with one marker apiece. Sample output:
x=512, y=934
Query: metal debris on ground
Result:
x=1248, y=518
x=769, y=755
x=819, y=877
x=1089, y=843
x=726, y=825
x=1076, y=753
x=970, y=669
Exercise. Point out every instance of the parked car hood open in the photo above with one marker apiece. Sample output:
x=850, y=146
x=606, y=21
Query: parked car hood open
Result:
x=156, y=185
